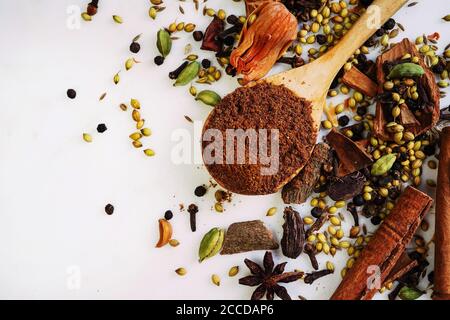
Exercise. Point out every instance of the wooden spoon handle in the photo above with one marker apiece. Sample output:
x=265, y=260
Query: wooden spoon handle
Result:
x=374, y=17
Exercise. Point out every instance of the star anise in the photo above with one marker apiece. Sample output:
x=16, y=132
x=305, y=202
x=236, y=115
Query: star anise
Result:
x=267, y=278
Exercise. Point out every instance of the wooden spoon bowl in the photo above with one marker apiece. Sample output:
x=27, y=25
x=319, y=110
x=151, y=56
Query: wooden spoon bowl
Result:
x=310, y=82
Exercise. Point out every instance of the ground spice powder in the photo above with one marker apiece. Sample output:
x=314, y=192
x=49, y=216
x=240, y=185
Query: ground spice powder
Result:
x=263, y=106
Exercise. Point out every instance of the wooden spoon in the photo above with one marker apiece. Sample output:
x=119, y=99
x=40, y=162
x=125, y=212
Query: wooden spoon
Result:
x=313, y=80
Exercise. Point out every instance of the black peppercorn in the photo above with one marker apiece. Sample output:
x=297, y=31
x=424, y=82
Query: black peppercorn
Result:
x=365, y=3
x=168, y=215
x=228, y=41
x=101, y=128
x=379, y=200
x=232, y=19
x=316, y=212
x=109, y=209
x=389, y=25
x=358, y=200
x=206, y=63
x=430, y=277
x=375, y=220
x=371, y=42
x=439, y=68
x=198, y=35
x=135, y=47
x=159, y=60
x=430, y=149
x=397, y=166
x=200, y=191
x=321, y=39
x=343, y=121
x=384, y=180
x=380, y=32
x=361, y=111
x=230, y=70
x=71, y=93
x=334, y=83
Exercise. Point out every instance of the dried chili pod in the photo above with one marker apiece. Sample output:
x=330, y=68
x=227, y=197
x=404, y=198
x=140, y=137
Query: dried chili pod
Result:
x=293, y=234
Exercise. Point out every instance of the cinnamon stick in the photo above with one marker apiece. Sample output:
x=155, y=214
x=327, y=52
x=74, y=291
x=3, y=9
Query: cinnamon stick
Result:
x=442, y=232
x=357, y=80
x=385, y=248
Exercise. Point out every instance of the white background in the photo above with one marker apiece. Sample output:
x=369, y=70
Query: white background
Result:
x=54, y=186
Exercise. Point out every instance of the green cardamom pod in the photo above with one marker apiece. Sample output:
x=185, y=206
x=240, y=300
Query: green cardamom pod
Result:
x=407, y=293
x=211, y=243
x=188, y=74
x=163, y=42
x=407, y=69
x=383, y=165
x=208, y=97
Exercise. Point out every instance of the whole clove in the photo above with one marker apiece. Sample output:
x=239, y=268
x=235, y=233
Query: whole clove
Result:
x=294, y=61
x=313, y=276
x=230, y=31
x=193, y=209
x=310, y=250
x=92, y=8
x=317, y=224
x=352, y=209
x=175, y=73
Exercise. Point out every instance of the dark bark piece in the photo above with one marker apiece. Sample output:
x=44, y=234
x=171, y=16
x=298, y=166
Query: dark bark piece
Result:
x=302, y=186
x=293, y=234
x=248, y=236
x=211, y=40
x=347, y=187
x=352, y=157
x=431, y=92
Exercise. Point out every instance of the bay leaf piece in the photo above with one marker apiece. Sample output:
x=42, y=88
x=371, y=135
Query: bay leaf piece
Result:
x=302, y=186
x=351, y=156
x=248, y=236
x=346, y=187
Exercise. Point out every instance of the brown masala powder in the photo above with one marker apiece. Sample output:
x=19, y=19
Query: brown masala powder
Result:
x=263, y=106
